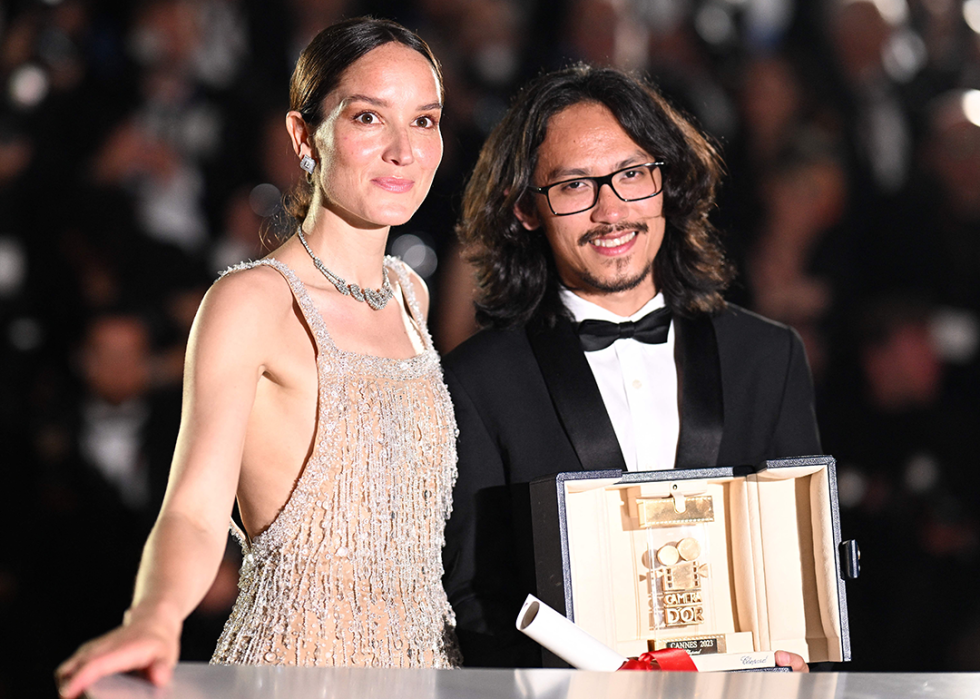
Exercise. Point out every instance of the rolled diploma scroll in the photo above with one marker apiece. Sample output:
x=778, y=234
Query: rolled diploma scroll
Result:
x=566, y=640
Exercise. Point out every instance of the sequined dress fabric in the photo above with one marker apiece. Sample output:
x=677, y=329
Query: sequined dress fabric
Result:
x=350, y=571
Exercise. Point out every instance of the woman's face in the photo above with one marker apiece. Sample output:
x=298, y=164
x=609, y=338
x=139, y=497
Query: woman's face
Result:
x=379, y=144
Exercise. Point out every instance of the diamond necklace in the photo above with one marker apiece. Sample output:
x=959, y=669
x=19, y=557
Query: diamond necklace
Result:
x=375, y=299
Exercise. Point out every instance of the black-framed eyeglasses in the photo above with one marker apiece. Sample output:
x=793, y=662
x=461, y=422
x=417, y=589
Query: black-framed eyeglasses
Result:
x=632, y=183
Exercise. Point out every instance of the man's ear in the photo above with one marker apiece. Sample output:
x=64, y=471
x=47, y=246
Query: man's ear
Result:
x=527, y=214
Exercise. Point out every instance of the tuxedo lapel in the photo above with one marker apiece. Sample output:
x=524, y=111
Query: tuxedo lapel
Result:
x=699, y=378
x=576, y=396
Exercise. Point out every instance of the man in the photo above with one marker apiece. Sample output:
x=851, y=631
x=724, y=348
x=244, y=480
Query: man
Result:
x=589, y=203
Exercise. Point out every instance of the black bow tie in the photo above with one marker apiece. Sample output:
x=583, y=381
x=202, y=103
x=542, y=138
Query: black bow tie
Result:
x=599, y=334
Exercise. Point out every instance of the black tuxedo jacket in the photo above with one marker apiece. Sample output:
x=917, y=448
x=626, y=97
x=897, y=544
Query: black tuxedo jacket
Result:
x=528, y=405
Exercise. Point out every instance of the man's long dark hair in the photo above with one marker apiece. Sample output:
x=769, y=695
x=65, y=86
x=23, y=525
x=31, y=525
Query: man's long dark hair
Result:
x=516, y=274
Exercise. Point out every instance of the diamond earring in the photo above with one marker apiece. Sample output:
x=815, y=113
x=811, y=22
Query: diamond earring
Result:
x=307, y=163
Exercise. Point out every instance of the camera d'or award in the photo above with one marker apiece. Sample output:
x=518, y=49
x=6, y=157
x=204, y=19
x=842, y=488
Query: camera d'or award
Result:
x=677, y=563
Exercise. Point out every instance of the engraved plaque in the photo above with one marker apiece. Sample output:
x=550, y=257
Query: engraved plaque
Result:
x=661, y=512
x=695, y=645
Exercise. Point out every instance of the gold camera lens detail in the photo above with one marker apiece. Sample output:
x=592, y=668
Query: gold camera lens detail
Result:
x=689, y=548
x=668, y=555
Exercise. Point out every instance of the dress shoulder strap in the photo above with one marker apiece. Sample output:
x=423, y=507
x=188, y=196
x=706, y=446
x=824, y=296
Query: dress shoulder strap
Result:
x=306, y=306
x=402, y=272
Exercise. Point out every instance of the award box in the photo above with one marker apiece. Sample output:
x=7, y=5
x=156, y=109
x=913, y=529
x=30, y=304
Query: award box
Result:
x=715, y=560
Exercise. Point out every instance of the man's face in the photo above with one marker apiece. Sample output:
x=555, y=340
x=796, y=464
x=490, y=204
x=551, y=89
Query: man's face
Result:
x=604, y=254
x=116, y=359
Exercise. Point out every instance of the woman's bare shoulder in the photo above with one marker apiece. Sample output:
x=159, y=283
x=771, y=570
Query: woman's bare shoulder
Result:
x=245, y=304
x=254, y=291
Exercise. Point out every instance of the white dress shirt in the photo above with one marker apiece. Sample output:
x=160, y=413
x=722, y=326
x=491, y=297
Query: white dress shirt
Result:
x=638, y=383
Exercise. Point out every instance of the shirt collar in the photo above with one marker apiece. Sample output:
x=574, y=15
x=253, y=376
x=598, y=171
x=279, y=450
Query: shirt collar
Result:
x=586, y=310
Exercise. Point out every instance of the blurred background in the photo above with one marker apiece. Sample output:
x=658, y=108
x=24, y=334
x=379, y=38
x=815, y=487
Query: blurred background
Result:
x=143, y=149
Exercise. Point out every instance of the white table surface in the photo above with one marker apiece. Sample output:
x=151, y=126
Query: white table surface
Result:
x=200, y=681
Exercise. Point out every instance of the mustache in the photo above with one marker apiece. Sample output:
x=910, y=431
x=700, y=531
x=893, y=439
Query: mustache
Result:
x=600, y=231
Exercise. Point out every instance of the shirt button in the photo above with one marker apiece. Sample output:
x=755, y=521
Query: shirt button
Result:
x=637, y=383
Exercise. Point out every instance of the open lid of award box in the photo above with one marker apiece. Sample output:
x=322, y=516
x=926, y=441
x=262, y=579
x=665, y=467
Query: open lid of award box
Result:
x=718, y=560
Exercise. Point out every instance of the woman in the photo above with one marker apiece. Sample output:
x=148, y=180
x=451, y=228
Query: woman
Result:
x=320, y=399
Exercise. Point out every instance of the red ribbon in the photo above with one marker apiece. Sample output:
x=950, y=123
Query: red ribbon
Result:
x=671, y=659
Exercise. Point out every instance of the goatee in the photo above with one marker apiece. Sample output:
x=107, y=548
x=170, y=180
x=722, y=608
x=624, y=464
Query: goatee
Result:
x=615, y=286
x=620, y=284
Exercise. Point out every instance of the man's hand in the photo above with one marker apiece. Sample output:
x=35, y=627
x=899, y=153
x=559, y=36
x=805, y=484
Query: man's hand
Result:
x=791, y=660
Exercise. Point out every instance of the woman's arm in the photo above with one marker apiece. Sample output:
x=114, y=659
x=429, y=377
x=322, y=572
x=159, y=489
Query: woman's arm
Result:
x=226, y=355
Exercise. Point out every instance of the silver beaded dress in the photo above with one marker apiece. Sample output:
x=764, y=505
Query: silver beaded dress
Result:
x=350, y=571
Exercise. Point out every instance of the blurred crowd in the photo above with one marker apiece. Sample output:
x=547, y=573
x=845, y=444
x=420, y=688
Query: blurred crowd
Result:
x=143, y=150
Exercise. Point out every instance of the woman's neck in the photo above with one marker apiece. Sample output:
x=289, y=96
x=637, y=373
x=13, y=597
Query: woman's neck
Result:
x=354, y=253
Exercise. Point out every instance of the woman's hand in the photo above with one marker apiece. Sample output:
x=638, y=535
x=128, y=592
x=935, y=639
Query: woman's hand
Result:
x=148, y=644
